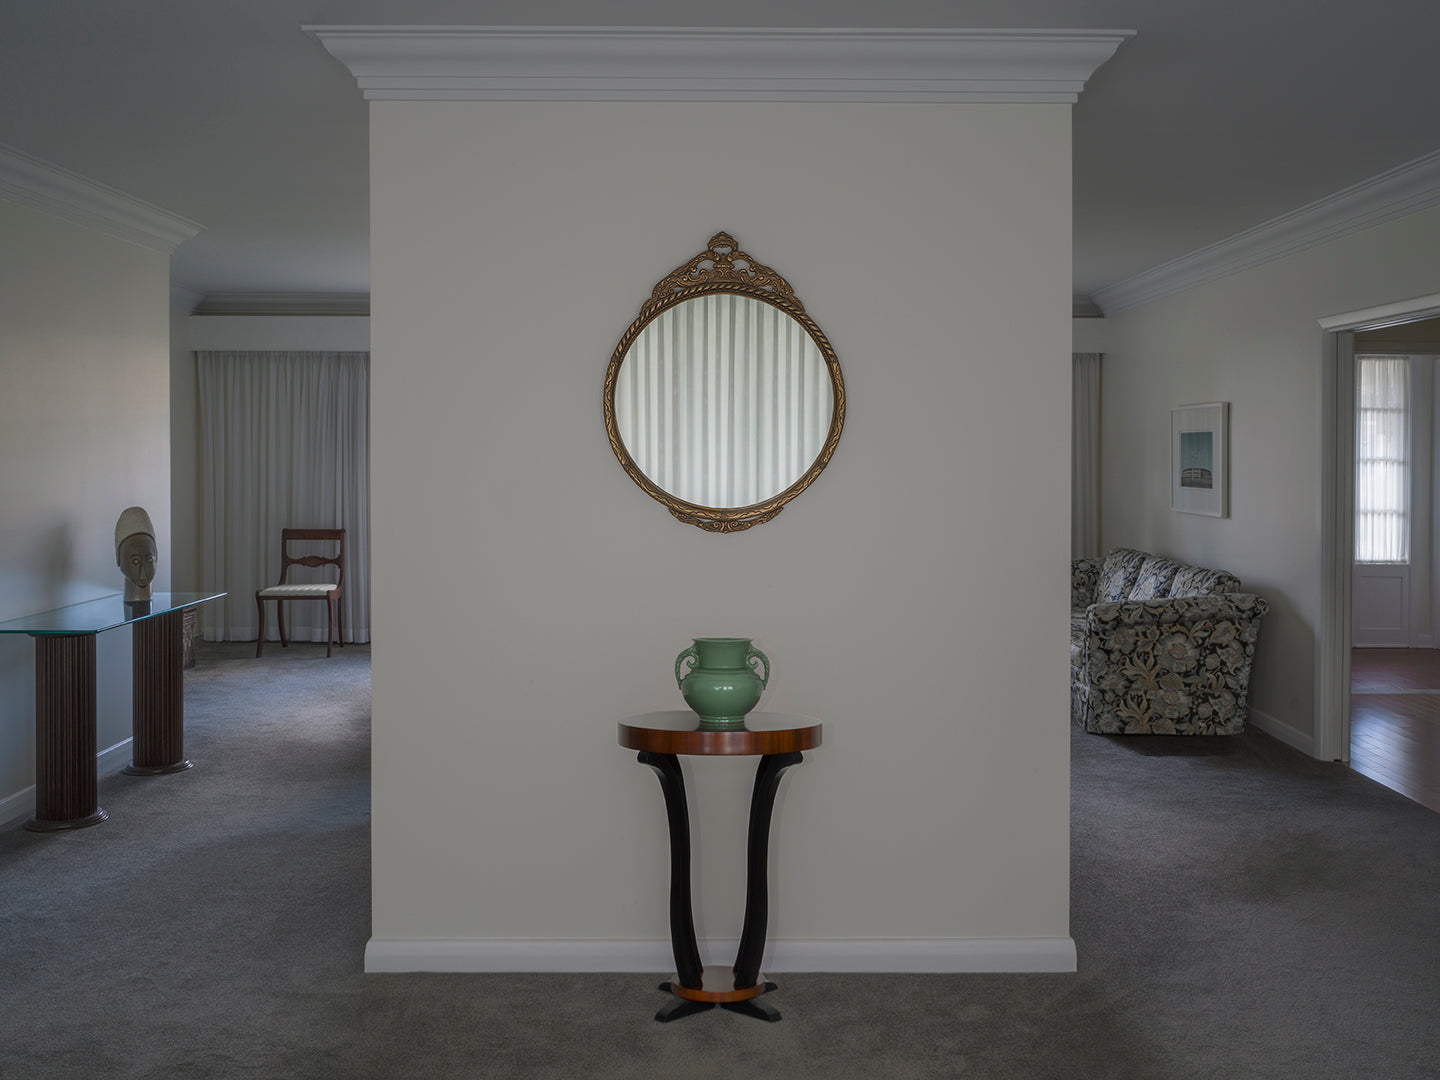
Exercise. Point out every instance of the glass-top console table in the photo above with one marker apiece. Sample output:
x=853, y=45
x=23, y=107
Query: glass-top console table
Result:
x=66, y=782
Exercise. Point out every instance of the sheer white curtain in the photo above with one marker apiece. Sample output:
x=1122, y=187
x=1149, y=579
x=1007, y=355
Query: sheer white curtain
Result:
x=1085, y=457
x=285, y=443
x=1382, y=459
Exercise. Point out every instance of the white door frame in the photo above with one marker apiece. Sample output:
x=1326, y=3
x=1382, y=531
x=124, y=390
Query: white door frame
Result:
x=1337, y=511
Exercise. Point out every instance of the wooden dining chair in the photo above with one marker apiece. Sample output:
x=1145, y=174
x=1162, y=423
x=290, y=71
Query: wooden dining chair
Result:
x=319, y=590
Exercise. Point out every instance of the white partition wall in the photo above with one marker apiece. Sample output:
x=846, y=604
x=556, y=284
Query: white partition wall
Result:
x=914, y=597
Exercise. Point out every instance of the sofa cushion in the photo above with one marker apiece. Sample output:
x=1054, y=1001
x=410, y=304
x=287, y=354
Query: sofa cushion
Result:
x=1200, y=581
x=1153, y=581
x=1122, y=567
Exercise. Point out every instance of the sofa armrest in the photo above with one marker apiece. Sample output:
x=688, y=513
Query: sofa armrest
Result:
x=1084, y=575
x=1178, y=665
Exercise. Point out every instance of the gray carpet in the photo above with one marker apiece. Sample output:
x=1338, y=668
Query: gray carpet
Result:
x=1240, y=911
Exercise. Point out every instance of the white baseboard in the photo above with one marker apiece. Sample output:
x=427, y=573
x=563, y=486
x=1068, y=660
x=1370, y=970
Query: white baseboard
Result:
x=22, y=803
x=899, y=955
x=17, y=806
x=1276, y=729
x=114, y=757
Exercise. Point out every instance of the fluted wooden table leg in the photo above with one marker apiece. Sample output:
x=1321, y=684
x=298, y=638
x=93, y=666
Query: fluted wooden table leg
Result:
x=66, y=784
x=159, y=704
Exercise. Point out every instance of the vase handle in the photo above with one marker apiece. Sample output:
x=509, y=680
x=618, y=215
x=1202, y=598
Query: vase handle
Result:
x=694, y=662
x=752, y=656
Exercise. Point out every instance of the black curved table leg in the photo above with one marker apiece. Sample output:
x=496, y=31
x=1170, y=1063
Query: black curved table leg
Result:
x=757, y=884
x=679, y=1008
x=753, y=1008
x=682, y=918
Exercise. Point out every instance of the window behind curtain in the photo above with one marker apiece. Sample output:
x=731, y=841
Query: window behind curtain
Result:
x=1382, y=459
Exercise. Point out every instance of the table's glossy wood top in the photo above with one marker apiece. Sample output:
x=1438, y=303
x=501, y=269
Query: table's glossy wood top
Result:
x=677, y=731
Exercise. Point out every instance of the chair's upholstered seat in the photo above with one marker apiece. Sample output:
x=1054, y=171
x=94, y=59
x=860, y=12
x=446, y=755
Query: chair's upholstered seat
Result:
x=285, y=592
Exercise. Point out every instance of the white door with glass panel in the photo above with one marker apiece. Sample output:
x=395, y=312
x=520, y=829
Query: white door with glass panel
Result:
x=1388, y=503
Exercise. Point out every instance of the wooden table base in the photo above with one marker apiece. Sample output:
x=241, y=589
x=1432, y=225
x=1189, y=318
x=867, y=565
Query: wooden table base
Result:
x=66, y=785
x=741, y=984
x=158, y=710
x=66, y=781
x=717, y=986
x=778, y=740
x=688, y=1000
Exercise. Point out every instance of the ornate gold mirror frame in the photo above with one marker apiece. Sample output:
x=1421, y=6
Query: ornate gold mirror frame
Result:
x=724, y=269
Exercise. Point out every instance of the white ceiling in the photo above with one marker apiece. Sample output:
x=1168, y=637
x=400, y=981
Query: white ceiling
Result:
x=1217, y=116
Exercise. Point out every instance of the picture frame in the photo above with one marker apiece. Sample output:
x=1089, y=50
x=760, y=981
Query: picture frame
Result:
x=1200, y=459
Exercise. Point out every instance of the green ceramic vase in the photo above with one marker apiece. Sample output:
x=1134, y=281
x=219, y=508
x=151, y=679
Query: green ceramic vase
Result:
x=723, y=682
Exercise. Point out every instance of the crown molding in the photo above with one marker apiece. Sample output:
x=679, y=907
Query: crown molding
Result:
x=533, y=63
x=1402, y=190
x=184, y=299
x=40, y=185
x=284, y=304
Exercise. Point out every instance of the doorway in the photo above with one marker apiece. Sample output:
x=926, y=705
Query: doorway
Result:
x=1394, y=683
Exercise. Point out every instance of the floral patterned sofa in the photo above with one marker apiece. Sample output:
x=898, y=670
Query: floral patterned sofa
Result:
x=1158, y=647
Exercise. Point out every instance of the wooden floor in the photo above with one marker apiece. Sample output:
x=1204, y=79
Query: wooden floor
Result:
x=1395, y=720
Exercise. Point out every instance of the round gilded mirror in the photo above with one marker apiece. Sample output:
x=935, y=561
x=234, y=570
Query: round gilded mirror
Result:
x=724, y=400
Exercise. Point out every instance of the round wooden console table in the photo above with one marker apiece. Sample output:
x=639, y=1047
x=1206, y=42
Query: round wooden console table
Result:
x=778, y=740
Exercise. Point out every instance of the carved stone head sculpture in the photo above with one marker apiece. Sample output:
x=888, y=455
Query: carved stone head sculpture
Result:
x=135, y=553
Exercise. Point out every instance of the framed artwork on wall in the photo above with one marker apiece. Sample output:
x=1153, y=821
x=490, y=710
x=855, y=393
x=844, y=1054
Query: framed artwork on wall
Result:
x=1200, y=459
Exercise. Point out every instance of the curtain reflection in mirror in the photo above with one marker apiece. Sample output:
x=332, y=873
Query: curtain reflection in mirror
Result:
x=724, y=401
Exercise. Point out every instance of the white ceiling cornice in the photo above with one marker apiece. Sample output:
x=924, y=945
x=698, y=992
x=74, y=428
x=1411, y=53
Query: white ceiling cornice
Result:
x=1392, y=194
x=43, y=186
x=183, y=298
x=528, y=63
x=309, y=304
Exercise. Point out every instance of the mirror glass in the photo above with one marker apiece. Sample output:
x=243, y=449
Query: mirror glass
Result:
x=724, y=401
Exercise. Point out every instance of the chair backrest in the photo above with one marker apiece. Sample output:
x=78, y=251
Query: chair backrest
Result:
x=288, y=560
